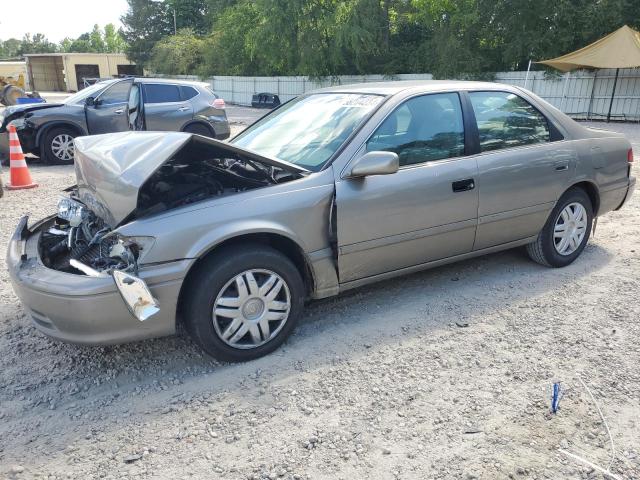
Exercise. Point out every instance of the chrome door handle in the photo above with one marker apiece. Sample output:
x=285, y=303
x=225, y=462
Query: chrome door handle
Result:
x=562, y=167
x=182, y=109
x=119, y=112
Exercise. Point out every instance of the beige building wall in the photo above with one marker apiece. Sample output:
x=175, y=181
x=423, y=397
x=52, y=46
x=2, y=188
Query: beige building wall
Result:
x=65, y=71
x=107, y=66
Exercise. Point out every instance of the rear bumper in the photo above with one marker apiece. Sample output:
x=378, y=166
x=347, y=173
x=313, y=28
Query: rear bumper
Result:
x=630, y=190
x=88, y=310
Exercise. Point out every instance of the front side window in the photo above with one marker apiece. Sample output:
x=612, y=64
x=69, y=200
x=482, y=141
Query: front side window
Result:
x=423, y=129
x=117, y=93
x=505, y=120
x=91, y=91
x=309, y=130
x=161, y=93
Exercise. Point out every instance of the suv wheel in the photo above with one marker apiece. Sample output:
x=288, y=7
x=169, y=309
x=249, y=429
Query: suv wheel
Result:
x=199, y=129
x=566, y=232
x=243, y=302
x=57, y=146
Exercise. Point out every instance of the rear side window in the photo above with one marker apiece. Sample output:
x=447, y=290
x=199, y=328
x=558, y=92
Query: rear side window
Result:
x=188, y=92
x=423, y=129
x=505, y=120
x=161, y=93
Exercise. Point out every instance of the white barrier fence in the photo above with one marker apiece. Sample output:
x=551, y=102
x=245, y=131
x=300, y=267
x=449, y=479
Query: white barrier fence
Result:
x=581, y=94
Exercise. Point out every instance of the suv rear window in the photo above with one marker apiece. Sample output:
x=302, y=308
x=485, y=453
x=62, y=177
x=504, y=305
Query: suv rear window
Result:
x=161, y=93
x=188, y=92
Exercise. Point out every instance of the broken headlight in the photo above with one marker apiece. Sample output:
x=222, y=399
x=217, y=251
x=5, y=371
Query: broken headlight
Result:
x=129, y=249
x=70, y=210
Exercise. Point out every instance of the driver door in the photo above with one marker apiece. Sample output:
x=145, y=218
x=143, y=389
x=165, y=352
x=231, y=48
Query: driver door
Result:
x=425, y=211
x=109, y=111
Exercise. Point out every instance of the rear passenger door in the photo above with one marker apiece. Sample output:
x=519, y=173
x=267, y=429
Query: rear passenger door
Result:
x=164, y=107
x=523, y=167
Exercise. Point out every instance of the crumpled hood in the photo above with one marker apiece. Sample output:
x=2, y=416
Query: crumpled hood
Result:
x=111, y=168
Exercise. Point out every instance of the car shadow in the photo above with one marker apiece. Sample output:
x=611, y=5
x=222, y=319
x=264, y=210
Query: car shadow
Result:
x=343, y=327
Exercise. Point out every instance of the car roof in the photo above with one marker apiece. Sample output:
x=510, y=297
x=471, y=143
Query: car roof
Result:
x=159, y=80
x=395, y=87
x=172, y=81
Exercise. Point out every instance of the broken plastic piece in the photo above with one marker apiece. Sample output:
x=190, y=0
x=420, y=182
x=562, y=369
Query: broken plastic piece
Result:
x=86, y=269
x=136, y=295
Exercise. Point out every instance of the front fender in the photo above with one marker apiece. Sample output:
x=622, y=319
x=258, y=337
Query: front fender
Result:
x=211, y=239
x=45, y=127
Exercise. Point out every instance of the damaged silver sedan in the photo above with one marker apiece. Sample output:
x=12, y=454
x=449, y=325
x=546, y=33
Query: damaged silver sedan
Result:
x=336, y=189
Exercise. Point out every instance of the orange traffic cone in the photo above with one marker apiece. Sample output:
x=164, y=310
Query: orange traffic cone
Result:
x=18, y=171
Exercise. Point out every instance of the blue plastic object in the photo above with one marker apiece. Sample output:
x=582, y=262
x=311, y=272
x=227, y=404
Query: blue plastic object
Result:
x=25, y=100
x=555, y=397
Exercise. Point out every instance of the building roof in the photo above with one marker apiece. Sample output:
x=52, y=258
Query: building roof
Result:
x=57, y=54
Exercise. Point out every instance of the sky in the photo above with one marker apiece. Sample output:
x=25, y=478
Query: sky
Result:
x=60, y=18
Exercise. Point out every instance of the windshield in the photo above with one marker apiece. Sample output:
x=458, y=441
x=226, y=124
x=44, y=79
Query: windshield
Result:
x=309, y=130
x=91, y=90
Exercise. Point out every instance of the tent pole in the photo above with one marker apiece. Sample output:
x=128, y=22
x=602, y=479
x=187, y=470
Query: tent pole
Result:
x=526, y=78
x=563, y=100
x=593, y=89
x=615, y=82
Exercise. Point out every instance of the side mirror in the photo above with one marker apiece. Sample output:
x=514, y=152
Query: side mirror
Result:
x=91, y=102
x=375, y=163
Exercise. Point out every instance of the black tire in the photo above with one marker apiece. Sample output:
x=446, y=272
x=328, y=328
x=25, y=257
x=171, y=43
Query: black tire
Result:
x=543, y=250
x=11, y=93
x=46, y=147
x=210, y=279
x=199, y=129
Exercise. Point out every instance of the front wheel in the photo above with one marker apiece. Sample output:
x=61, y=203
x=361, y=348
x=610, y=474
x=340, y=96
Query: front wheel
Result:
x=57, y=146
x=566, y=232
x=243, y=302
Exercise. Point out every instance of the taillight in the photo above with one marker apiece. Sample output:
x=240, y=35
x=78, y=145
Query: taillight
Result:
x=630, y=155
x=218, y=103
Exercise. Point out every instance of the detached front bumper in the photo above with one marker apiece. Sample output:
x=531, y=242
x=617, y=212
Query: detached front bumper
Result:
x=83, y=309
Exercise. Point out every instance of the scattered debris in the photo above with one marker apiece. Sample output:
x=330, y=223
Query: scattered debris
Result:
x=556, y=396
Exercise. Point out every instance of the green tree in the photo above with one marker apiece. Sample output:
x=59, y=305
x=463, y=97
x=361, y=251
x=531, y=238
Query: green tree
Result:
x=9, y=48
x=96, y=40
x=179, y=54
x=37, y=43
x=114, y=43
x=145, y=23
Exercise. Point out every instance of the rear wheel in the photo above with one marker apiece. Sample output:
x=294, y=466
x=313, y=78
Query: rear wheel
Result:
x=57, y=146
x=199, y=129
x=243, y=302
x=566, y=232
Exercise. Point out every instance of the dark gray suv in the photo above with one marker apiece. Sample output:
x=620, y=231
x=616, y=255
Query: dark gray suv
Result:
x=48, y=129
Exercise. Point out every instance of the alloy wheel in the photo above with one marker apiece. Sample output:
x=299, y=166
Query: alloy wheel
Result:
x=251, y=309
x=62, y=147
x=570, y=228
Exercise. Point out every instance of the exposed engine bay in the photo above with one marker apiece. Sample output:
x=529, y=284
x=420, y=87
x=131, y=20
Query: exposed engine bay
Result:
x=80, y=241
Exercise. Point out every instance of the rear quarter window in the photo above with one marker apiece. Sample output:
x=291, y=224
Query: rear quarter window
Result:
x=188, y=92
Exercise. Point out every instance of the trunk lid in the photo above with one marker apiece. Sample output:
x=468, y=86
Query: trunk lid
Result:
x=111, y=169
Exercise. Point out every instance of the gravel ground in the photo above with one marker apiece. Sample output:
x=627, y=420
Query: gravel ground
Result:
x=442, y=374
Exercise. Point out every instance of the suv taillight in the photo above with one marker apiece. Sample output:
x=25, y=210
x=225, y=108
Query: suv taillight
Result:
x=218, y=103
